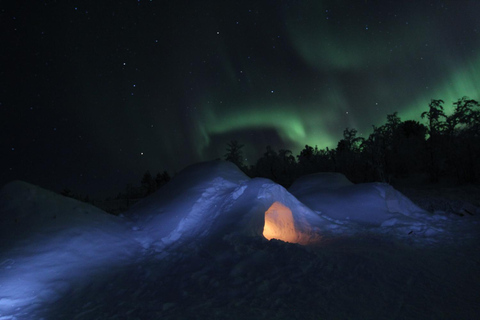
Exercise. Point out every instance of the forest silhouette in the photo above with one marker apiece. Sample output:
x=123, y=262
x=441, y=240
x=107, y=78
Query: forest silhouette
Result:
x=444, y=149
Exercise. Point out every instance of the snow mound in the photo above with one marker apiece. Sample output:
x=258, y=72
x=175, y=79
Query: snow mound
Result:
x=189, y=201
x=26, y=209
x=50, y=244
x=179, y=192
x=377, y=206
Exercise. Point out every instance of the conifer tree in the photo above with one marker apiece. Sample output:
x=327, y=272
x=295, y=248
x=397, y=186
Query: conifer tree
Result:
x=234, y=153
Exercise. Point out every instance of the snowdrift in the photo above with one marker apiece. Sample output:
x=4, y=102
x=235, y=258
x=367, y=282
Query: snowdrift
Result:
x=50, y=244
x=377, y=206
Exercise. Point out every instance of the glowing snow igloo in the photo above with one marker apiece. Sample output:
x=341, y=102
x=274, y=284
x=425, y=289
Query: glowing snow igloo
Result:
x=215, y=199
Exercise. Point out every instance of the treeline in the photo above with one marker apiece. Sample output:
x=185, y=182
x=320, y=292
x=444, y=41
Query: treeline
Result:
x=446, y=147
x=148, y=185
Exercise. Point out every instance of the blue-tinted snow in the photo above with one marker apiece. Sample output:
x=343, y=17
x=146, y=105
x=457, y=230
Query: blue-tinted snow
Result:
x=51, y=244
x=197, y=244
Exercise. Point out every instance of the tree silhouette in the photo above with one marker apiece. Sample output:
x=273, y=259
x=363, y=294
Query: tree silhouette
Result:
x=434, y=115
x=306, y=154
x=463, y=140
x=467, y=113
x=348, y=153
x=435, y=127
x=148, y=184
x=306, y=160
x=67, y=193
x=161, y=179
x=268, y=166
x=373, y=150
x=408, y=148
x=287, y=166
x=234, y=153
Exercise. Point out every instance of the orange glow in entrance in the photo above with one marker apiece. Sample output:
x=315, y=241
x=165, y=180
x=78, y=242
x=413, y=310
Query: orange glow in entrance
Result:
x=279, y=224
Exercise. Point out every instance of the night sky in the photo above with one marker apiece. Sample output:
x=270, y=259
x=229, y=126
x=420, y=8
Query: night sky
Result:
x=94, y=93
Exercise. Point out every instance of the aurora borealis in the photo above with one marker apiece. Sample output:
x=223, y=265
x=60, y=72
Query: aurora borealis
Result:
x=94, y=94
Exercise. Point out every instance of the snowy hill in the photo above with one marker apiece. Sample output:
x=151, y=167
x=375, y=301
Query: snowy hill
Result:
x=50, y=244
x=27, y=210
x=198, y=249
x=377, y=206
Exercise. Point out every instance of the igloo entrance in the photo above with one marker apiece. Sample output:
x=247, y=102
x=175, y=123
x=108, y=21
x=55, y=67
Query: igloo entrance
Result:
x=279, y=224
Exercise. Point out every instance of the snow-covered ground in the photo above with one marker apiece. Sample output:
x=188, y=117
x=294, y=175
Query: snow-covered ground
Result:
x=198, y=249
